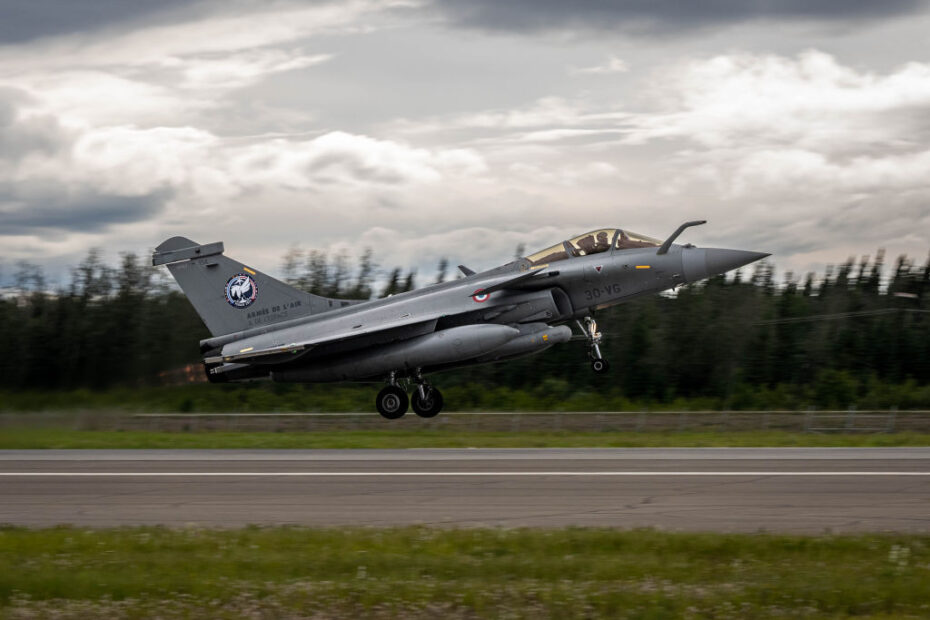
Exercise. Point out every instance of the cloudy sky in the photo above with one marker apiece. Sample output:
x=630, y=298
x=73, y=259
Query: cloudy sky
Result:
x=462, y=128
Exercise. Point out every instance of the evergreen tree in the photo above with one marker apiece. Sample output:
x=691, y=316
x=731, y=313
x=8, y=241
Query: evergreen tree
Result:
x=393, y=284
x=441, y=270
x=338, y=275
x=362, y=287
x=290, y=266
x=409, y=281
x=316, y=273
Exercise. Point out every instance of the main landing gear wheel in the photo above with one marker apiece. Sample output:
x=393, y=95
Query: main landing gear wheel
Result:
x=600, y=365
x=392, y=402
x=428, y=407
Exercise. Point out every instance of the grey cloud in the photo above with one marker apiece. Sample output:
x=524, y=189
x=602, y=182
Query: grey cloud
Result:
x=34, y=208
x=659, y=15
x=20, y=137
x=328, y=168
x=37, y=134
x=44, y=205
x=23, y=21
x=10, y=98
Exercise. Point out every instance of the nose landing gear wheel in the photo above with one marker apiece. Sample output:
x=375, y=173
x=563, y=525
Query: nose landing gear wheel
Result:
x=428, y=407
x=598, y=364
x=392, y=402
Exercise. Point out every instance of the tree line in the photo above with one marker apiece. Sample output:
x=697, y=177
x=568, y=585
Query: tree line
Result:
x=856, y=331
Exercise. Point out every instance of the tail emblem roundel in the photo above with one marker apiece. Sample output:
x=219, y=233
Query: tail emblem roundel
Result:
x=241, y=291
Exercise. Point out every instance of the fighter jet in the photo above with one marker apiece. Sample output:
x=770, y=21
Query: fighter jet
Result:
x=263, y=328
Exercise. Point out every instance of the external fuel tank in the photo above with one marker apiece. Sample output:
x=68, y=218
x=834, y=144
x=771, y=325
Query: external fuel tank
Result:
x=442, y=347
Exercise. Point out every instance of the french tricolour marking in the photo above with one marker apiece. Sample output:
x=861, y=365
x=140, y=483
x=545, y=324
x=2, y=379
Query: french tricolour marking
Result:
x=241, y=291
x=480, y=296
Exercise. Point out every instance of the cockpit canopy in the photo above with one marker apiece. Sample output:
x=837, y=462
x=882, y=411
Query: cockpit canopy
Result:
x=593, y=242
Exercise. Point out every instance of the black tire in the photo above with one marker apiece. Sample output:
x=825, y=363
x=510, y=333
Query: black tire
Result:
x=392, y=402
x=430, y=407
x=600, y=365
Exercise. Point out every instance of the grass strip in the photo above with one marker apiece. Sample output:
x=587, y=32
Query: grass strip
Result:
x=53, y=438
x=415, y=572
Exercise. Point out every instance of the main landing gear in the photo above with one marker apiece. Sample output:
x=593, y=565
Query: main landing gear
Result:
x=392, y=402
x=589, y=328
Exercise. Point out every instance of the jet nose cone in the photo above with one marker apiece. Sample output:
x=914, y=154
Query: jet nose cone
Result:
x=700, y=263
x=722, y=261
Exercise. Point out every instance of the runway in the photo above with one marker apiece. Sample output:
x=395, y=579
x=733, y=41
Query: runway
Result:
x=809, y=490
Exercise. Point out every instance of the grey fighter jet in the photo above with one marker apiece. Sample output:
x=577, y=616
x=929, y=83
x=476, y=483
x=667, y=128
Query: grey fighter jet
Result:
x=264, y=329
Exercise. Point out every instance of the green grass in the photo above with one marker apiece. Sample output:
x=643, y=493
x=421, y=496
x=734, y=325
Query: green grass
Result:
x=33, y=438
x=549, y=394
x=484, y=573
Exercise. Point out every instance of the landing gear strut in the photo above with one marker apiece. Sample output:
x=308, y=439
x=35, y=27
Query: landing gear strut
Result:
x=589, y=328
x=392, y=401
x=426, y=400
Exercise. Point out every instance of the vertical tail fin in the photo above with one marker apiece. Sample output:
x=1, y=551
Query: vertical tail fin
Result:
x=230, y=296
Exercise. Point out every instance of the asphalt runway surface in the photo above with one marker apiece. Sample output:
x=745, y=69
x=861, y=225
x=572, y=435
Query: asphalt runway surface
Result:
x=809, y=490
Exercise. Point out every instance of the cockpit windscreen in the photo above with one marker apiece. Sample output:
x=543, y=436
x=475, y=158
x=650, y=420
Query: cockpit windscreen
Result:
x=593, y=242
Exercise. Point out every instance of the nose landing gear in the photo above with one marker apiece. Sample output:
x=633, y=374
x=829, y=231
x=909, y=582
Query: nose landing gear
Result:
x=589, y=328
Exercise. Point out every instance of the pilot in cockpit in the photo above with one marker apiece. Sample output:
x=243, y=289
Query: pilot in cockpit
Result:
x=589, y=244
x=586, y=245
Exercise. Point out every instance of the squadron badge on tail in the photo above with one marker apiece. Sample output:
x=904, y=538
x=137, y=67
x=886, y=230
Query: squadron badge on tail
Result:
x=241, y=291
